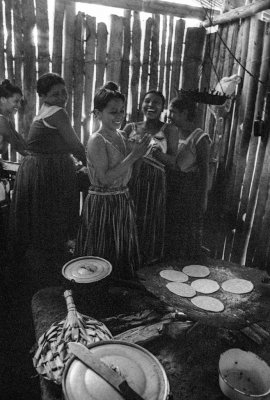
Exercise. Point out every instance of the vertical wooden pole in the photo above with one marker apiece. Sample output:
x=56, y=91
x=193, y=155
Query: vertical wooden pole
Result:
x=78, y=72
x=102, y=36
x=125, y=65
x=42, y=36
x=168, y=63
x=89, y=73
x=115, y=49
x=145, y=63
x=57, y=56
x=29, y=73
x=69, y=34
x=162, y=54
x=177, y=56
x=136, y=54
x=154, y=56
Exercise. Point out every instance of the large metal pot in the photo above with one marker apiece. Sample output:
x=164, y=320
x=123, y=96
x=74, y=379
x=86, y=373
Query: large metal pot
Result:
x=141, y=369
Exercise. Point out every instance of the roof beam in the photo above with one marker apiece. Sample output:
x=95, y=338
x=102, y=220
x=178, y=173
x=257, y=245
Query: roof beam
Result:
x=238, y=13
x=157, y=7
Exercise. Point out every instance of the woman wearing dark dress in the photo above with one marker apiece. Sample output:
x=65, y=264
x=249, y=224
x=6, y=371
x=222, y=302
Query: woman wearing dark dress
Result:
x=148, y=182
x=45, y=203
x=187, y=183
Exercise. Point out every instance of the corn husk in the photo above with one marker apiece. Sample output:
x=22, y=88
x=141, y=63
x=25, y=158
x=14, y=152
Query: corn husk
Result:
x=52, y=351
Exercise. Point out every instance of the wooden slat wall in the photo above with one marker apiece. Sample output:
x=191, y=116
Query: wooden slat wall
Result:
x=159, y=52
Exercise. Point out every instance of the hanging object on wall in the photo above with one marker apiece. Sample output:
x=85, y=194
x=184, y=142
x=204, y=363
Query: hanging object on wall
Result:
x=206, y=97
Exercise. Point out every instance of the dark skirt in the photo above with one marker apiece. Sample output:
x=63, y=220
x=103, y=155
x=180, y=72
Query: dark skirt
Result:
x=45, y=203
x=184, y=219
x=108, y=230
x=148, y=190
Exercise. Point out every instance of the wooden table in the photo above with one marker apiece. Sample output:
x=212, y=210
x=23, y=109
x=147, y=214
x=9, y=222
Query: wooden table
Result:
x=191, y=358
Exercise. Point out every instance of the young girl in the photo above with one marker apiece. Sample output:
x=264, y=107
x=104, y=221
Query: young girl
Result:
x=45, y=203
x=148, y=183
x=187, y=183
x=108, y=226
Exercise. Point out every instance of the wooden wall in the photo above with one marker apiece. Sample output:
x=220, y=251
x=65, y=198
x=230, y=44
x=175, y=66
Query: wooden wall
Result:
x=239, y=201
x=164, y=54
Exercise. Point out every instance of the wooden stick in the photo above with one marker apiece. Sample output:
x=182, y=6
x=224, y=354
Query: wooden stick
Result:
x=239, y=12
x=156, y=7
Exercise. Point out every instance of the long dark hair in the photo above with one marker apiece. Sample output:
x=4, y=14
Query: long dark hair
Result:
x=183, y=102
x=47, y=81
x=106, y=93
x=8, y=90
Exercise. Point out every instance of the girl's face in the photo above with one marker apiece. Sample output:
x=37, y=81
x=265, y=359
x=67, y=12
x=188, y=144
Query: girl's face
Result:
x=10, y=105
x=152, y=106
x=57, y=96
x=176, y=116
x=112, y=115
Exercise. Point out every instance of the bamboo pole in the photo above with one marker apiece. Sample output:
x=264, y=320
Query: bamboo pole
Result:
x=156, y=7
x=2, y=44
x=259, y=190
x=177, y=56
x=42, y=36
x=162, y=54
x=115, y=49
x=253, y=65
x=136, y=55
x=126, y=54
x=9, y=53
x=192, y=61
x=154, y=56
x=89, y=73
x=69, y=34
x=168, y=63
x=238, y=116
x=78, y=72
x=101, y=49
x=231, y=43
x=239, y=13
x=29, y=81
x=145, y=63
x=59, y=11
x=18, y=55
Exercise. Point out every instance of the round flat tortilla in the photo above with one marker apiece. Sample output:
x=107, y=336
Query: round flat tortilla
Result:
x=208, y=303
x=205, y=286
x=181, y=289
x=196, y=271
x=237, y=286
x=172, y=275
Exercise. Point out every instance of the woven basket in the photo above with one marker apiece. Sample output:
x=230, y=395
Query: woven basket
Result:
x=52, y=352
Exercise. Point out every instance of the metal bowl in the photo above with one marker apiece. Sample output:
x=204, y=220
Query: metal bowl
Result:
x=243, y=375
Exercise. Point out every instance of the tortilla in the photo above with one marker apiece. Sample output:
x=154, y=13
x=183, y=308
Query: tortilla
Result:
x=237, y=286
x=181, y=289
x=205, y=286
x=173, y=275
x=196, y=271
x=208, y=303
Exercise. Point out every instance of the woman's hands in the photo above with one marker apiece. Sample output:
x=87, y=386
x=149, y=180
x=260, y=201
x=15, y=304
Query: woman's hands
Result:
x=140, y=147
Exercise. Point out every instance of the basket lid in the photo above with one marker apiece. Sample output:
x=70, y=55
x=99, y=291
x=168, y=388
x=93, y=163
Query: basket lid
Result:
x=141, y=369
x=87, y=269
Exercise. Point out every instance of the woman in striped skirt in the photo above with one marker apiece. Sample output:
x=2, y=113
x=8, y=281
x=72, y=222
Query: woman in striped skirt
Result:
x=148, y=183
x=108, y=227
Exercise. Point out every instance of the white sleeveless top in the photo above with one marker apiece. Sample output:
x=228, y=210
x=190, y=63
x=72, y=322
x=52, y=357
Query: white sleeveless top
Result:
x=186, y=154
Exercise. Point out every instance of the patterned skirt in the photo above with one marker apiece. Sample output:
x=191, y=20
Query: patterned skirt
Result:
x=148, y=190
x=108, y=230
x=45, y=204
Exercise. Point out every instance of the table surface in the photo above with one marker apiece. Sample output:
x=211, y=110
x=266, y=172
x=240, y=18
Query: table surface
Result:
x=191, y=360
